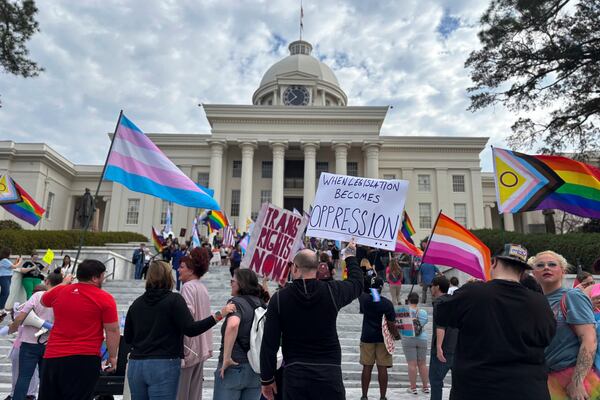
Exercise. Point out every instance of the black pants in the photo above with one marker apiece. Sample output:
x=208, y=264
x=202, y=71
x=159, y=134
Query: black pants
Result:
x=69, y=378
x=313, y=382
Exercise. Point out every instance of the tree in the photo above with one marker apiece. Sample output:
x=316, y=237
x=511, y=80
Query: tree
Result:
x=17, y=26
x=541, y=55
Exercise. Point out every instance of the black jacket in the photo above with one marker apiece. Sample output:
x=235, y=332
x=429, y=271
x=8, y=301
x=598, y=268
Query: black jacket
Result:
x=302, y=318
x=156, y=322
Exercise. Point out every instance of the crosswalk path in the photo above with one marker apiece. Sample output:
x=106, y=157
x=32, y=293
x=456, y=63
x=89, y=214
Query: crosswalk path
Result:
x=217, y=281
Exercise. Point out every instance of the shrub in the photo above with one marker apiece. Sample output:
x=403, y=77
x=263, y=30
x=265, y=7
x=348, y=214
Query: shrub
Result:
x=24, y=241
x=10, y=224
x=577, y=248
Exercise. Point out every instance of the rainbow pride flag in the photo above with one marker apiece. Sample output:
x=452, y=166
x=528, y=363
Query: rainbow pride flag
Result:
x=452, y=245
x=216, y=220
x=526, y=183
x=406, y=247
x=408, y=230
x=157, y=240
x=27, y=209
x=138, y=164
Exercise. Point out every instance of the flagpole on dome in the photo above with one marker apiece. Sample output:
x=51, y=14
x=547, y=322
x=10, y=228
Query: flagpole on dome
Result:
x=87, y=222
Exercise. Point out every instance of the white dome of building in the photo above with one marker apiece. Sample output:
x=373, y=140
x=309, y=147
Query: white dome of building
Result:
x=299, y=72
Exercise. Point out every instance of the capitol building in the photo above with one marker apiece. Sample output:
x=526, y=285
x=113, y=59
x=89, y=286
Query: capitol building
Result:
x=273, y=150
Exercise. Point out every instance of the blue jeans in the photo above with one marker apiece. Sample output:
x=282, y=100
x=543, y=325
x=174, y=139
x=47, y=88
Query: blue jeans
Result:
x=437, y=372
x=30, y=356
x=240, y=383
x=4, y=289
x=138, y=270
x=154, y=379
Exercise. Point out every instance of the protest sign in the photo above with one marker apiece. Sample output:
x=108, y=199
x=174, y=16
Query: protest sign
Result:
x=369, y=210
x=404, y=321
x=272, y=241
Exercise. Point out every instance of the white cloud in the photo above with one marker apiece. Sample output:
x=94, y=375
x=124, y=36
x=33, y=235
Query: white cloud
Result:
x=158, y=60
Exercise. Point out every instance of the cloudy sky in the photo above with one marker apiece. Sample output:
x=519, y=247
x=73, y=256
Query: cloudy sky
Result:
x=159, y=59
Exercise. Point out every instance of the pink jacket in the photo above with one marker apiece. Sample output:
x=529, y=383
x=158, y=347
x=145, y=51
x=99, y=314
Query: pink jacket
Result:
x=196, y=296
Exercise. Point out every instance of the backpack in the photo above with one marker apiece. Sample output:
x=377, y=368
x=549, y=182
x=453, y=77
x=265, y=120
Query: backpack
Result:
x=256, y=335
x=323, y=272
x=417, y=325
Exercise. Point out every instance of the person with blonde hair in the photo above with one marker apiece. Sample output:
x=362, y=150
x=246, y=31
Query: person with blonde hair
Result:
x=570, y=355
x=154, y=328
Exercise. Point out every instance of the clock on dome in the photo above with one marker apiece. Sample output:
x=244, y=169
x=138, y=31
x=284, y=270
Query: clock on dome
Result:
x=296, y=96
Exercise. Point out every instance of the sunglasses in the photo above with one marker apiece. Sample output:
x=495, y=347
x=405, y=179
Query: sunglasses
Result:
x=550, y=264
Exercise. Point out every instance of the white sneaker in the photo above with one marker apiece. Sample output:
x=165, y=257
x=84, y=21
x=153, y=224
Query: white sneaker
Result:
x=413, y=391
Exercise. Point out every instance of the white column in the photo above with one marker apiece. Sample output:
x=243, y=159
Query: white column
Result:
x=488, y=216
x=246, y=187
x=216, y=168
x=310, y=172
x=341, y=157
x=509, y=222
x=278, y=169
x=372, y=154
x=477, y=196
x=106, y=213
x=443, y=191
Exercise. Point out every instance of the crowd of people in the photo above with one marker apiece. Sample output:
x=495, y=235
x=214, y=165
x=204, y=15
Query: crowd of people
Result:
x=521, y=335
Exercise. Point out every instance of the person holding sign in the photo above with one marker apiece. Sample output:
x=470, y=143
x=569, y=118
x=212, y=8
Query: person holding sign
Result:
x=302, y=318
x=503, y=331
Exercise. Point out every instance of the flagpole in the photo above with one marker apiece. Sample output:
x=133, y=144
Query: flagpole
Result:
x=432, y=230
x=89, y=218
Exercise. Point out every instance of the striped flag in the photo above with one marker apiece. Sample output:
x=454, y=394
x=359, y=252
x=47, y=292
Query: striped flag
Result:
x=8, y=191
x=406, y=247
x=138, y=164
x=216, y=220
x=195, y=237
x=26, y=209
x=408, y=230
x=452, y=245
x=228, y=236
x=157, y=240
x=168, y=224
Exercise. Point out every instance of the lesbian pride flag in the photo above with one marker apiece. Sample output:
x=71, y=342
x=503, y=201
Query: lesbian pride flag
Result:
x=138, y=164
x=452, y=245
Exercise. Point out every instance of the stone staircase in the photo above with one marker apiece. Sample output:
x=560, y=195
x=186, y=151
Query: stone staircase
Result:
x=217, y=282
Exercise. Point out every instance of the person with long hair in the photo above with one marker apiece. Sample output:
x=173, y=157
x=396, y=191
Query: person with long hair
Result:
x=154, y=328
x=234, y=377
x=198, y=349
x=393, y=274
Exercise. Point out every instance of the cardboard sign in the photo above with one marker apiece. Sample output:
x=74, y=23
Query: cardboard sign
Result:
x=404, y=321
x=369, y=210
x=272, y=241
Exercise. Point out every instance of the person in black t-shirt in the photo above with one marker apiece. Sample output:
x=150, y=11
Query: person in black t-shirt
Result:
x=503, y=330
x=32, y=274
x=372, y=347
x=443, y=340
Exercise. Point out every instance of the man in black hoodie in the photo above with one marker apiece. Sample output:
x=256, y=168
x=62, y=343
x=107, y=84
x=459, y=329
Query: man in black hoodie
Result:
x=302, y=318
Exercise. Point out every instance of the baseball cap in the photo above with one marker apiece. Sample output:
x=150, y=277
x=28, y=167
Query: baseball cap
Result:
x=515, y=253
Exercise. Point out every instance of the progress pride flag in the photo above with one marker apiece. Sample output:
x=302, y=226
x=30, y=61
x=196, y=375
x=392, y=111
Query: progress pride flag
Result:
x=272, y=241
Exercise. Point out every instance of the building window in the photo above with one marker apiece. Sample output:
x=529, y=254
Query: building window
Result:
x=49, y=205
x=322, y=166
x=458, y=183
x=163, y=211
x=389, y=176
x=424, y=183
x=203, y=178
x=267, y=169
x=235, y=203
x=265, y=196
x=237, y=169
x=352, y=168
x=425, y=215
x=460, y=213
x=133, y=211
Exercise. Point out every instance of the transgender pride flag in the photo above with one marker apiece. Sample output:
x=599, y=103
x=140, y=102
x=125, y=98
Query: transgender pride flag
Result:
x=452, y=245
x=138, y=164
